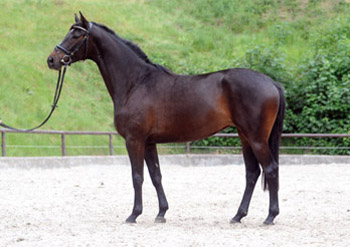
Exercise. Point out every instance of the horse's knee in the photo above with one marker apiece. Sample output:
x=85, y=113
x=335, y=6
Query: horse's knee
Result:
x=137, y=180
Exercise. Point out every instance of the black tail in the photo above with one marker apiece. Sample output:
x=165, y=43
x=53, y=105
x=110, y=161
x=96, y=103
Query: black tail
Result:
x=275, y=136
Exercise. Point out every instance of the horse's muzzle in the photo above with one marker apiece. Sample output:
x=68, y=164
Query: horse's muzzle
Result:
x=53, y=61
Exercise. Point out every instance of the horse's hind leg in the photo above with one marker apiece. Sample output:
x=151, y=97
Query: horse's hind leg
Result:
x=262, y=152
x=252, y=175
x=152, y=161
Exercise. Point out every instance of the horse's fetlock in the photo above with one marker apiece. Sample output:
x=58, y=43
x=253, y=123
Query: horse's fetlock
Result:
x=164, y=208
x=137, y=211
x=242, y=213
x=274, y=211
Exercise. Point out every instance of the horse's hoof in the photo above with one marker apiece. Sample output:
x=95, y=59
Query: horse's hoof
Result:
x=234, y=221
x=131, y=220
x=268, y=222
x=160, y=220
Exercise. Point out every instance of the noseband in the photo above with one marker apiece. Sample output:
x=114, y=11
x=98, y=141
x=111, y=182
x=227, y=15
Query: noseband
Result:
x=67, y=59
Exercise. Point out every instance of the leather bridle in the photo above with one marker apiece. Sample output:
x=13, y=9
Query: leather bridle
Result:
x=67, y=59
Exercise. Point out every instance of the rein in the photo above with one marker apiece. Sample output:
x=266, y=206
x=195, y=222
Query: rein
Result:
x=58, y=91
x=66, y=61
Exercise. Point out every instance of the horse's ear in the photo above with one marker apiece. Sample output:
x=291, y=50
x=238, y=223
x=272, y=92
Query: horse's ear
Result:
x=84, y=21
x=76, y=18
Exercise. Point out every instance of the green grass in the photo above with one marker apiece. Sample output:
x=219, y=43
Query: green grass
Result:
x=187, y=36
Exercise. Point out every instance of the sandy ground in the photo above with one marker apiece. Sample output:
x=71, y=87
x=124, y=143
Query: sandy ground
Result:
x=87, y=206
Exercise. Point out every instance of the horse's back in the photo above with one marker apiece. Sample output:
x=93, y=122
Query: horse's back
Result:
x=235, y=82
x=193, y=107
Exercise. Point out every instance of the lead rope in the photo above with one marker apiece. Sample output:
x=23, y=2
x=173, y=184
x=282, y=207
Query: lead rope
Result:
x=57, y=95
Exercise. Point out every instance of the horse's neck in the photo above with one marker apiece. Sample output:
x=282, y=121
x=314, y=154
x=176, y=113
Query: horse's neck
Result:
x=118, y=66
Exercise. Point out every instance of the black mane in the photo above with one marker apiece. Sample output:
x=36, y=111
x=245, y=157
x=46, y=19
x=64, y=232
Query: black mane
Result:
x=135, y=48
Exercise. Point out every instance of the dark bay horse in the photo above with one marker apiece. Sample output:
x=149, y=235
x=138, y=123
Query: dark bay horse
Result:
x=154, y=105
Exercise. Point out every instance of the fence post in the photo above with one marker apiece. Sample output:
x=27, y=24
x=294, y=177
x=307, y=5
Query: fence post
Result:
x=111, y=152
x=3, y=144
x=188, y=148
x=63, y=144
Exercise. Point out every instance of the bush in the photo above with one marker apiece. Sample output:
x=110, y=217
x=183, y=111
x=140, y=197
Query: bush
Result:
x=320, y=100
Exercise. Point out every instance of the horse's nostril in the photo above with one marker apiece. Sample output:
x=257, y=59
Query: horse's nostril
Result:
x=50, y=60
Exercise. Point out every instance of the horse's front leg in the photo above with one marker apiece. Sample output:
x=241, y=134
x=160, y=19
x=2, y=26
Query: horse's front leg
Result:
x=152, y=161
x=136, y=155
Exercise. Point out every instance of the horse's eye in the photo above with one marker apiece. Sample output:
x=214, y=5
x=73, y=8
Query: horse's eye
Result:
x=76, y=34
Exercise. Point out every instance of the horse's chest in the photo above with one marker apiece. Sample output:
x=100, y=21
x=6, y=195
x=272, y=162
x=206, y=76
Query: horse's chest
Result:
x=129, y=123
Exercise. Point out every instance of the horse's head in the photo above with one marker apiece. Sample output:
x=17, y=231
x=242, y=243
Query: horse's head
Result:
x=74, y=47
